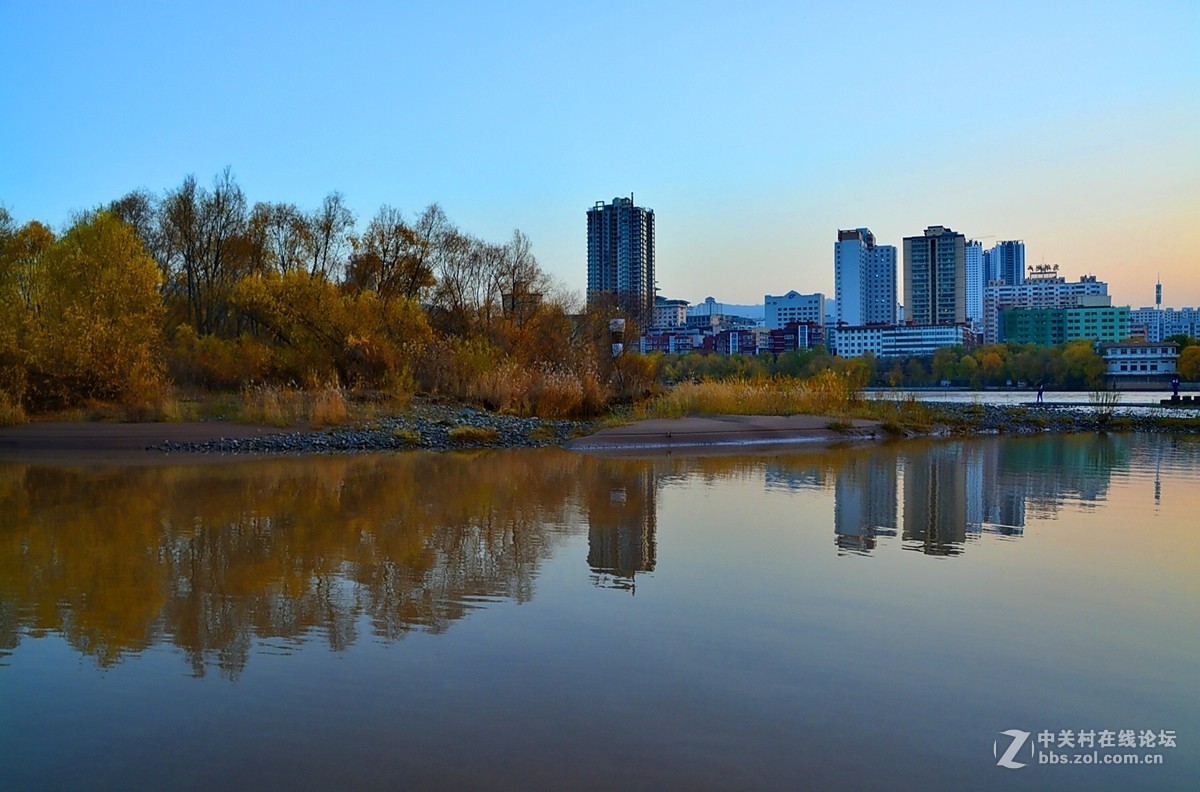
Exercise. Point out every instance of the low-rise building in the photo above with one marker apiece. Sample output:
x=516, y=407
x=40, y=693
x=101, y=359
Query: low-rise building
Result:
x=779, y=310
x=1044, y=289
x=890, y=341
x=1140, y=360
x=1053, y=326
x=670, y=342
x=670, y=313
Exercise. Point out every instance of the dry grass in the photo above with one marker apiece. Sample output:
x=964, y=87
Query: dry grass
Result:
x=829, y=394
x=11, y=413
x=327, y=407
x=276, y=406
x=408, y=437
x=548, y=392
x=473, y=435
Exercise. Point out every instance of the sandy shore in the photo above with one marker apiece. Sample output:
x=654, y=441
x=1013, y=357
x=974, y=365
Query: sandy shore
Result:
x=95, y=441
x=724, y=430
x=92, y=442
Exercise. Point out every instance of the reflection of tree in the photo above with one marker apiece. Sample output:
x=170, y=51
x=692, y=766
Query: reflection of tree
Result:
x=216, y=557
x=1049, y=470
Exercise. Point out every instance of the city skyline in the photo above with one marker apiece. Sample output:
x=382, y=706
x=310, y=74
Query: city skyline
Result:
x=738, y=117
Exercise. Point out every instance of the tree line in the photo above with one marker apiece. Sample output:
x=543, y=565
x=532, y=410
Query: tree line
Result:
x=1073, y=365
x=198, y=287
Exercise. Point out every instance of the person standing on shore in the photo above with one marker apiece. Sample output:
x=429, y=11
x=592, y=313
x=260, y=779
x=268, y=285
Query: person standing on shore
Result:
x=1041, y=390
x=1175, y=387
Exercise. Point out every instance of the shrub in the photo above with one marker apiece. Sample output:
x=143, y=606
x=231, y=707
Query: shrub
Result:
x=473, y=435
x=409, y=437
x=11, y=411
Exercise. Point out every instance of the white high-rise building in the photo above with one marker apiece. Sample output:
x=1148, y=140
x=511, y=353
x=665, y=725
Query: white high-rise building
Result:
x=975, y=284
x=864, y=279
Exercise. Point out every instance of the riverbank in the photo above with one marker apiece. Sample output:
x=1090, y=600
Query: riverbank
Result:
x=434, y=427
x=446, y=427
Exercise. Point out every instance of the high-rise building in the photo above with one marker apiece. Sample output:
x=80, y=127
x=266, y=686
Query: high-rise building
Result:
x=621, y=255
x=864, y=279
x=1005, y=261
x=976, y=281
x=935, y=277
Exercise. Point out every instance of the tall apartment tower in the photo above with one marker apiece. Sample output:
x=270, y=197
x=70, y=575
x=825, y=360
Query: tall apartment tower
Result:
x=1005, y=261
x=864, y=279
x=977, y=280
x=935, y=277
x=621, y=255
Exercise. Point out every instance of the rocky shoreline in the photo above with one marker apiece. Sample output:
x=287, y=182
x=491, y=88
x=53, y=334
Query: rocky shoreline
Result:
x=432, y=428
x=957, y=418
x=425, y=427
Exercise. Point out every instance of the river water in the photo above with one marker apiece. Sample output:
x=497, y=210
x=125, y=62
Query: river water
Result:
x=892, y=615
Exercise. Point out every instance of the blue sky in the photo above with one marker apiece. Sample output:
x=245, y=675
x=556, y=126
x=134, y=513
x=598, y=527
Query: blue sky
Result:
x=754, y=130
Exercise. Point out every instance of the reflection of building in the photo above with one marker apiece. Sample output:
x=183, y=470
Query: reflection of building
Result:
x=864, y=504
x=935, y=503
x=995, y=500
x=622, y=522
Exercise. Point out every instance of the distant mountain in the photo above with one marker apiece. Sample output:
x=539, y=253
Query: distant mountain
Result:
x=731, y=309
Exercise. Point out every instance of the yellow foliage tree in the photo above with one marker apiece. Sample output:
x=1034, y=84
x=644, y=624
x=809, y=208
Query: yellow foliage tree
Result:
x=322, y=332
x=20, y=252
x=93, y=316
x=1189, y=363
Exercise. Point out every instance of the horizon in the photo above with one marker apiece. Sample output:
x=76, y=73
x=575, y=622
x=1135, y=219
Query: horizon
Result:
x=754, y=134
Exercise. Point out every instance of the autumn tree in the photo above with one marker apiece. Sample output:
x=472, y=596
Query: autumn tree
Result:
x=204, y=250
x=96, y=330
x=1189, y=363
x=323, y=332
x=1081, y=366
x=21, y=285
x=329, y=230
x=392, y=257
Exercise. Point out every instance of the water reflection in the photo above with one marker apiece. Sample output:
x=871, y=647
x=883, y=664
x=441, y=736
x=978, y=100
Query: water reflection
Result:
x=955, y=491
x=212, y=558
x=219, y=559
x=622, y=516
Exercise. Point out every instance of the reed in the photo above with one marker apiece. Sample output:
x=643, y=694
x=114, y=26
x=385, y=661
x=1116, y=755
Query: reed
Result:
x=829, y=393
x=11, y=412
x=273, y=405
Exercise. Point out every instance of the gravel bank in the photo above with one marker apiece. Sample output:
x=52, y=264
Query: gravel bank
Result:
x=426, y=427
x=992, y=419
x=429, y=427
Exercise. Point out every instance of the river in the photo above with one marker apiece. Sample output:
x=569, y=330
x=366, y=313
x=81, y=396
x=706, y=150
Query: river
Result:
x=863, y=616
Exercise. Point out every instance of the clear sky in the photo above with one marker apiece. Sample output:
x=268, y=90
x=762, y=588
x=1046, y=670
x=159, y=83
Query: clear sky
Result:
x=753, y=129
